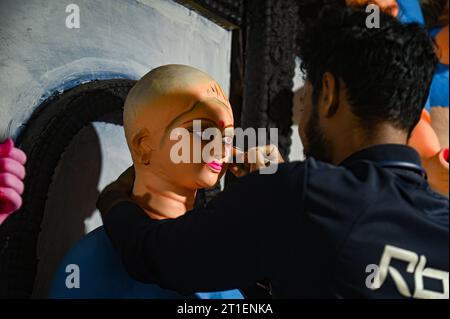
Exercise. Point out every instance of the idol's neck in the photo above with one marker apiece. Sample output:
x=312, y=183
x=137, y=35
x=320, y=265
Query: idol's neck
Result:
x=159, y=198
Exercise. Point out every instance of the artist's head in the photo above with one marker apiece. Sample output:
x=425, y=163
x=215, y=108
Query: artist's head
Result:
x=362, y=85
x=171, y=97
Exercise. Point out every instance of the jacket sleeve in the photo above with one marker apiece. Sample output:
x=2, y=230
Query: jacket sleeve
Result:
x=230, y=243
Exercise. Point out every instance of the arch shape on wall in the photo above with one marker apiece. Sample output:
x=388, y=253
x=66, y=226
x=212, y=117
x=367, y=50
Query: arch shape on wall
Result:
x=46, y=136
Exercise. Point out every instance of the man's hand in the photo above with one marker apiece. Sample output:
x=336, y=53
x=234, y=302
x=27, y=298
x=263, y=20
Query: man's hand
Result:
x=118, y=191
x=255, y=159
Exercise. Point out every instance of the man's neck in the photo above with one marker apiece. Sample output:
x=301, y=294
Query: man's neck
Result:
x=159, y=198
x=355, y=140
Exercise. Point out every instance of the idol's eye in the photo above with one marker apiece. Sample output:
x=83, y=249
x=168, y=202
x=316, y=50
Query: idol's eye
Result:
x=227, y=140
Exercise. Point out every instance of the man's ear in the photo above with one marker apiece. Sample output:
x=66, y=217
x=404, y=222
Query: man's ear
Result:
x=141, y=145
x=330, y=95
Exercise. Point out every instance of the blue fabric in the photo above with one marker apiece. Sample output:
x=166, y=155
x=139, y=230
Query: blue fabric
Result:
x=434, y=31
x=439, y=92
x=410, y=11
x=103, y=276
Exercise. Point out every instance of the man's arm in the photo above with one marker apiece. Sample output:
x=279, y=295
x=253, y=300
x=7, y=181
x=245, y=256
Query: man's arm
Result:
x=233, y=242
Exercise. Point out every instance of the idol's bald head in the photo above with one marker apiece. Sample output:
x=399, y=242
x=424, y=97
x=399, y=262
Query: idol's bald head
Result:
x=160, y=98
x=163, y=92
x=159, y=116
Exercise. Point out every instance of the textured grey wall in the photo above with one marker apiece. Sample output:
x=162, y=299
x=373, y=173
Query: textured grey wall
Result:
x=39, y=55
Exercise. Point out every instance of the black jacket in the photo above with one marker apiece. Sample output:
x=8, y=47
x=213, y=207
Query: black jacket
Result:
x=369, y=228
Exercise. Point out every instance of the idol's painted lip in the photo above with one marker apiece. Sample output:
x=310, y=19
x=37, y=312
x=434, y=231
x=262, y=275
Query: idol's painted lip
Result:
x=216, y=166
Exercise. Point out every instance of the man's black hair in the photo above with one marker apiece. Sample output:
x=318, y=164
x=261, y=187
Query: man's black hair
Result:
x=386, y=71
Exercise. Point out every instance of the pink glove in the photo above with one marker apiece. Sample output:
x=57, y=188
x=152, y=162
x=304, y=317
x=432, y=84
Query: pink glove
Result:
x=12, y=173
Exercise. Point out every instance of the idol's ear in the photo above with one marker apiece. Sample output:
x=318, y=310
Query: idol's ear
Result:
x=329, y=99
x=141, y=146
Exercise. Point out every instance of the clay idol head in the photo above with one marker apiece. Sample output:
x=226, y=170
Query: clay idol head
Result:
x=170, y=104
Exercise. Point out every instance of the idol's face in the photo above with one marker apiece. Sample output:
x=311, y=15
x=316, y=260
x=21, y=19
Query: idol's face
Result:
x=206, y=132
x=180, y=153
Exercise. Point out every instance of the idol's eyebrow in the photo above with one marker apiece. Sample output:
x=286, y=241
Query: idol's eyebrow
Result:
x=189, y=111
x=183, y=114
x=199, y=119
x=161, y=142
x=214, y=124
